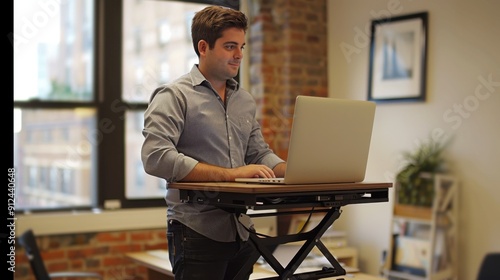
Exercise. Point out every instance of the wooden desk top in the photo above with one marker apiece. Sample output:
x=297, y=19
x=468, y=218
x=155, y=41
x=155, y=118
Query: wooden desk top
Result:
x=155, y=259
x=158, y=260
x=234, y=187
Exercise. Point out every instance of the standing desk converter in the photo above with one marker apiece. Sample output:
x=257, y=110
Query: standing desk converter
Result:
x=288, y=199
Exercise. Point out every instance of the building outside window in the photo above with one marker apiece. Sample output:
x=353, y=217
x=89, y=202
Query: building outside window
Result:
x=65, y=60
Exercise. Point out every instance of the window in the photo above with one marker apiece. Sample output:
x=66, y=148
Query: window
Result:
x=54, y=103
x=83, y=73
x=162, y=51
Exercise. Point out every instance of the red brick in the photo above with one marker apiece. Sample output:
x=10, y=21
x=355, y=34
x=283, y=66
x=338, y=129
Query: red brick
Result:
x=141, y=236
x=126, y=248
x=53, y=254
x=57, y=266
x=157, y=246
x=77, y=264
x=109, y=261
x=112, y=237
x=87, y=252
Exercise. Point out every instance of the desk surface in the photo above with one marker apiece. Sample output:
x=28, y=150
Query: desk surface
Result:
x=263, y=196
x=157, y=260
x=234, y=187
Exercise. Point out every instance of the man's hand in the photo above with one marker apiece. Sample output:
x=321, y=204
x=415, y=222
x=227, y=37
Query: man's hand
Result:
x=253, y=171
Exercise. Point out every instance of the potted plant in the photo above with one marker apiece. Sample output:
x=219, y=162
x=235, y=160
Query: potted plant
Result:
x=415, y=180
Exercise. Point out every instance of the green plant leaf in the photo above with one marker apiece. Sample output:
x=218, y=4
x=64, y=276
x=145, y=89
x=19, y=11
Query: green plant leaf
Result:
x=428, y=157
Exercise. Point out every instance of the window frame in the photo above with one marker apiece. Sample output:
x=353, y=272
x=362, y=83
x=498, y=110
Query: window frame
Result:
x=110, y=109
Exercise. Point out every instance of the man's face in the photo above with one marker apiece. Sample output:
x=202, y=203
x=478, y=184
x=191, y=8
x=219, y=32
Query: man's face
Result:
x=223, y=61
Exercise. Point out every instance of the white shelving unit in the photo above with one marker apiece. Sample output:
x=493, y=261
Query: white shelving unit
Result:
x=424, y=243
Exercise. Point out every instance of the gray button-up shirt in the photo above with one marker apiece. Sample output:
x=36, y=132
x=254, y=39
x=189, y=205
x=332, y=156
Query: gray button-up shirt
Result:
x=185, y=123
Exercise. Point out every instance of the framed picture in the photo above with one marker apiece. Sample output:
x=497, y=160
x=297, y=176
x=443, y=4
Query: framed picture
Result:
x=398, y=53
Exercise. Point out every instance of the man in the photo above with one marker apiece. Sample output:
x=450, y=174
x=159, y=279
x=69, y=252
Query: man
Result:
x=202, y=127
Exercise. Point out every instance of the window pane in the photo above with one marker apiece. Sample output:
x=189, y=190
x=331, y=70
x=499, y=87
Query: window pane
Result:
x=54, y=156
x=138, y=183
x=157, y=48
x=53, y=50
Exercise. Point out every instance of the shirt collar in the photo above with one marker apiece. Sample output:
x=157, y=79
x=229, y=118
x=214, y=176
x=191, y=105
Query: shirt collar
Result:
x=197, y=78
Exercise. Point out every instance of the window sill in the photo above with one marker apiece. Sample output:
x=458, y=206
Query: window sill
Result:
x=91, y=221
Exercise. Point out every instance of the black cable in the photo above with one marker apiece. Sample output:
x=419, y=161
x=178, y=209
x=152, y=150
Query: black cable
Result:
x=307, y=221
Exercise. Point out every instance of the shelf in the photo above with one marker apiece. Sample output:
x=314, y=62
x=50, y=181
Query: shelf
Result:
x=392, y=274
x=411, y=211
x=423, y=243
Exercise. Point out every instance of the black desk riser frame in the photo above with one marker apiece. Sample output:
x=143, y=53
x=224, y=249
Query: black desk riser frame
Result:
x=328, y=202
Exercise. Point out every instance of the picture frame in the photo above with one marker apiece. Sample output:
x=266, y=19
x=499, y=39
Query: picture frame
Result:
x=398, y=58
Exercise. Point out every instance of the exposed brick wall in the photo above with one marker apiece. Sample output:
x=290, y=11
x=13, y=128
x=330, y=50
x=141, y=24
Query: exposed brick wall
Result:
x=99, y=252
x=288, y=57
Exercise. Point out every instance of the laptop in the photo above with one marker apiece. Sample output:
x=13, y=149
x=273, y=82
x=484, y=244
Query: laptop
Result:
x=329, y=142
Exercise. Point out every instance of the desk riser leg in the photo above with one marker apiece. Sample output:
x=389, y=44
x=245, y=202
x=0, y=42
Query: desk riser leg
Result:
x=311, y=238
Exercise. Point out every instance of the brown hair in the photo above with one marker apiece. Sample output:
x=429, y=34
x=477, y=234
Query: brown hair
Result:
x=209, y=23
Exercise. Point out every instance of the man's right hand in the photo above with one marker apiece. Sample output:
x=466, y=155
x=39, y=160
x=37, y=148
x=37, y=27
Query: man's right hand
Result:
x=253, y=171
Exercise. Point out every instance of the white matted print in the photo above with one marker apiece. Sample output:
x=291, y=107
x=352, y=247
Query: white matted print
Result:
x=398, y=58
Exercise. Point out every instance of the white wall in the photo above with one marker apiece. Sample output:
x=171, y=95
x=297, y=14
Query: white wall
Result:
x=463, y=45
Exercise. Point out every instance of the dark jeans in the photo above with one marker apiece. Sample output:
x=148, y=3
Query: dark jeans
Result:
x=194, y=256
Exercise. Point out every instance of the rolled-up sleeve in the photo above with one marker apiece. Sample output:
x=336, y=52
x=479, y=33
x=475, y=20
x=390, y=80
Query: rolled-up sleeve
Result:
x=163, y=125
